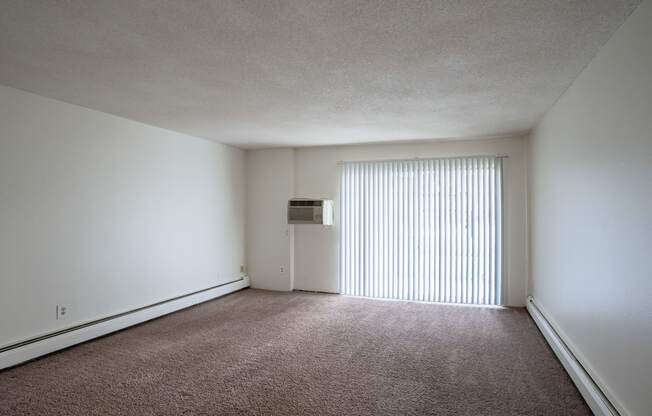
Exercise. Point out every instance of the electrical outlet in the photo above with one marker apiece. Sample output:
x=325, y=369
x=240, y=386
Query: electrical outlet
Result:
x=243, y=268
x=62, y=312
x=282, y=269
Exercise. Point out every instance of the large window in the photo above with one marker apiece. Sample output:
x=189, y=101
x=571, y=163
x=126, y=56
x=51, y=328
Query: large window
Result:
x=427, y=230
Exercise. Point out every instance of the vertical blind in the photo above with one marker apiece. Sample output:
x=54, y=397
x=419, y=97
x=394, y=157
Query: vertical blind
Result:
x=426, y=230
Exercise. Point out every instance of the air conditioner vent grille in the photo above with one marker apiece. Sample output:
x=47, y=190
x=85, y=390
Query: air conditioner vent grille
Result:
x=310, y=211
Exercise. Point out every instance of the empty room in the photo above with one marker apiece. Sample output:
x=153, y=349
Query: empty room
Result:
x=326, y=207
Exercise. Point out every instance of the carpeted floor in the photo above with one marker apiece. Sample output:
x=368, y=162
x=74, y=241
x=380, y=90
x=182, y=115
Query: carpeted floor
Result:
x=271, y=353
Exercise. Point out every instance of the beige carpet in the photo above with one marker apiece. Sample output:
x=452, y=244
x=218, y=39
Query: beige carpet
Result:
x=268, y=353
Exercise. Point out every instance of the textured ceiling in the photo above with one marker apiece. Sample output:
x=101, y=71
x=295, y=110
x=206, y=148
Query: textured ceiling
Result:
x=269, y=73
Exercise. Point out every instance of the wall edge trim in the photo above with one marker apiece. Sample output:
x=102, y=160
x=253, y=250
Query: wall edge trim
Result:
x=590, y=391
x=27, y=350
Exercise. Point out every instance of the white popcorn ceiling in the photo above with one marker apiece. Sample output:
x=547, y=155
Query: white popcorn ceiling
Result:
x=299, y=73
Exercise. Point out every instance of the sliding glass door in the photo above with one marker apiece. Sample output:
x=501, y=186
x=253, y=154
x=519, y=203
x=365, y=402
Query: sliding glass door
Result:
x=426, y=230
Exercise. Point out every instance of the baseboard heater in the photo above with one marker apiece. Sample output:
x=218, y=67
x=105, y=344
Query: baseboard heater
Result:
x=593, y=395
x=20, y=352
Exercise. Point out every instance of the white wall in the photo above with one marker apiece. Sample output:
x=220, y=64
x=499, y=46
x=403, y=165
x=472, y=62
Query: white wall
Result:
x=105, y=215
x=590, y=218
x=316, y=176
x=270, y=183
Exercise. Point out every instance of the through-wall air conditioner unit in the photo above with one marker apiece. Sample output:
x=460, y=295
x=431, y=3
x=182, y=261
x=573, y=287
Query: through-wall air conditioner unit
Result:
x=310, y=211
